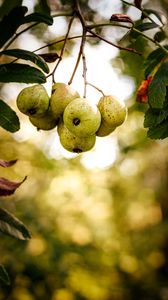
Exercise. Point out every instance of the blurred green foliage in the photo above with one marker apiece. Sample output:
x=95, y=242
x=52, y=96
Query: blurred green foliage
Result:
x=98, y=234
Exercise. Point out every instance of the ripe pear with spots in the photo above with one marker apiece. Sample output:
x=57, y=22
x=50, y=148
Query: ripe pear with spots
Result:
x=113, y=111
x=46, y=122
x=82, y=118
x=73, y=143
x=33, y=100
x=62, y=95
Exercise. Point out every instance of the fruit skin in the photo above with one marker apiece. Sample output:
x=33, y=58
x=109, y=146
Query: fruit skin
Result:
x=104, y=130
x=82, y=118
x=73, y=143
x=46, y=122
x=113, y=112
x=62, y=95
x=33, y=100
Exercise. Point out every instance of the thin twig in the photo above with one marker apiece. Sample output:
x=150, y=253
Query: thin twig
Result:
x=61, y=14
x=62, y=40
x=18, y=34
x=114, y=45
x=95, y=87
x=63, y=49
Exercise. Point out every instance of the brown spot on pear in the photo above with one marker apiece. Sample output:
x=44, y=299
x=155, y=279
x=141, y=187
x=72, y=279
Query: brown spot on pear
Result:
x=73, y=143
x=81, y=117
x=46, y=122
x=113, y=111
x=33, y=100
x=62, y=95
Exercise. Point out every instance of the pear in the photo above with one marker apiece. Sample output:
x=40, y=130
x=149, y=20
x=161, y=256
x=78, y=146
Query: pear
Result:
x=33, y=100
x=46, y=122
x=73, y=143
x=113, y=111
x=104, y=130
x=62, y=94
x=81, y=117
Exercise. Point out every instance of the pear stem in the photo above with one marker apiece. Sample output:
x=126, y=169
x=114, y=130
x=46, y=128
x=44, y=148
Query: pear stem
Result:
x=82, y=45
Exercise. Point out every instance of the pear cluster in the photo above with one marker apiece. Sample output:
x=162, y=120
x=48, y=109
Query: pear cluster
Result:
x=78, y=120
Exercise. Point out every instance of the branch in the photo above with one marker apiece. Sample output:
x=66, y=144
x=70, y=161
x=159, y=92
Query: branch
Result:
x=114, y=45
x=63, y=49
x=81, y=50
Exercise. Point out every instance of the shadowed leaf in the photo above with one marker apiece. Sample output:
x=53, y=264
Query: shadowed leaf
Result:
x=49, y=57
x=28, y=55
x=10, y=225
x=21, y=73
x=157, y=88
x=7, y=163
x=154, y=12
x=8, y=118
x=8, y=187
x=138, y=3
x=11, y=22
x=153, y=59
x=39, y=18
x=4, y=275
x=159, y=132
x=146, y=26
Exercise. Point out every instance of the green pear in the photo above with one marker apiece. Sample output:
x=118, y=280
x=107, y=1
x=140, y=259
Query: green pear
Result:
x=104, y=130
x=73, y=143
x=62, y=95
x=33, y=100
x=46, y=122
x=81, y=117
x=113, y=112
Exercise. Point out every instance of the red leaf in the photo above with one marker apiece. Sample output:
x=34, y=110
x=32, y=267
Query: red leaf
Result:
x=8, y=187
x=5, y=163
x=142, y=93
x=121, y=18
x=49, y=57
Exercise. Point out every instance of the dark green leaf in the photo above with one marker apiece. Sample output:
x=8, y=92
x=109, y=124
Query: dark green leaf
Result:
x=28, y=55
x=21, y=73
x=159, y=36
x=39, y=18
x=4, y=275
x=154, y=12
x=147, y=26
x=154, y=117
x=153, y=59
x=42, y=6
x=159, y=132
x=10, y=225
x=10, y=23
x=8, y=5
x=8, y=118
x=157, y=87
x=138, y=3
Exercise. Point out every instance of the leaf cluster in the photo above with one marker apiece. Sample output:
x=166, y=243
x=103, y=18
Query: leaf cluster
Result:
x=9, y=224
x=156, y=117
x=16, y=71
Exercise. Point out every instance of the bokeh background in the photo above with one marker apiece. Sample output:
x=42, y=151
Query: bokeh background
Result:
x=98, y=220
